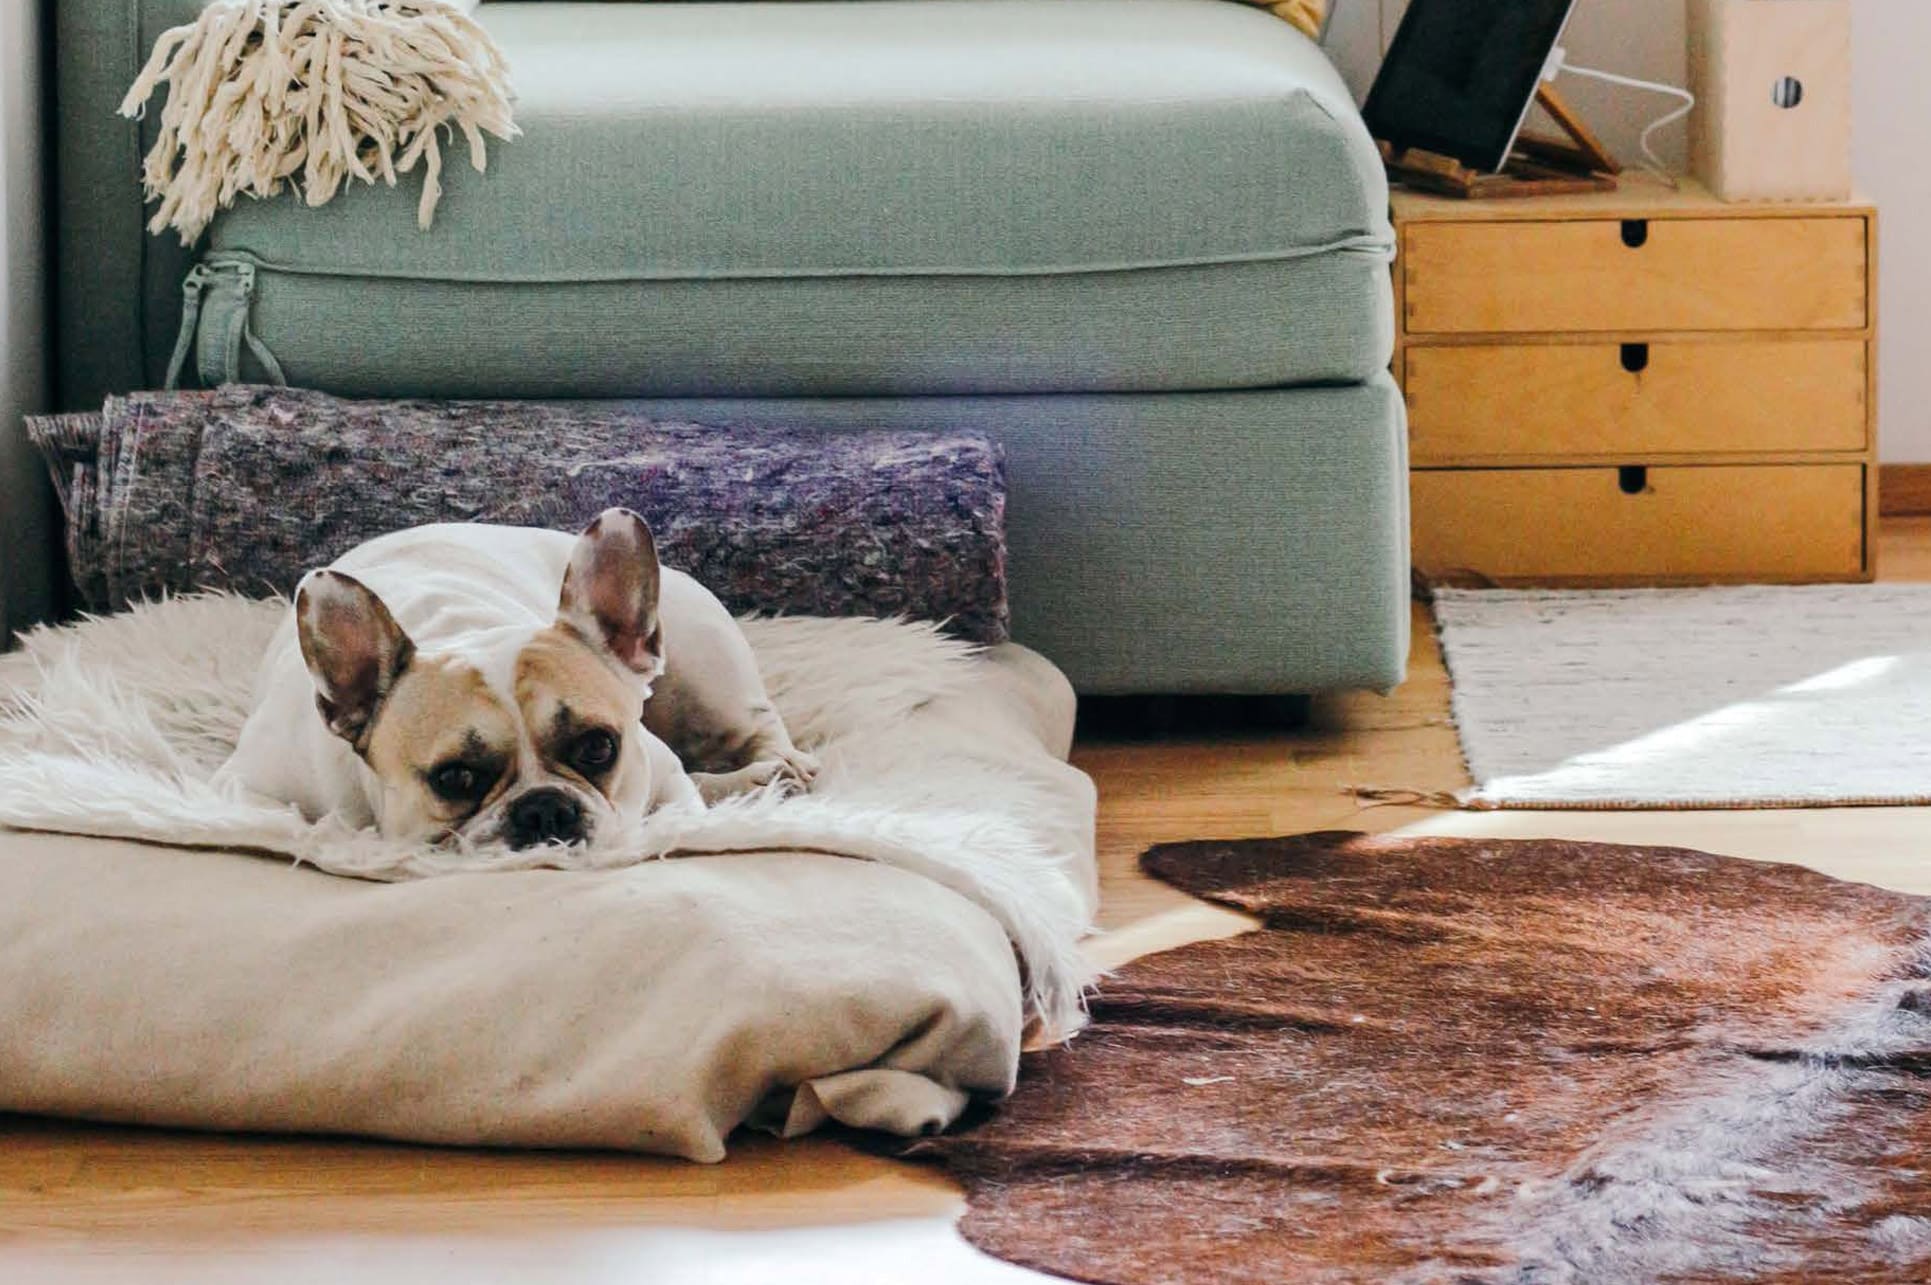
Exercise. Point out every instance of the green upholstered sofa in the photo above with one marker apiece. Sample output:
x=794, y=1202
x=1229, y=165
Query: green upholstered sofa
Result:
x=1142, y=242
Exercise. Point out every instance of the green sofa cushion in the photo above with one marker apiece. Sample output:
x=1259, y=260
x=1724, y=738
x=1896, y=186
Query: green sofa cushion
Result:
x=1241, y=325
x=679, y=141
x=898, y=196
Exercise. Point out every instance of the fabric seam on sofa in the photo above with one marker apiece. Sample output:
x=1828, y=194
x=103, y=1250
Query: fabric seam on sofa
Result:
x=1365, y=244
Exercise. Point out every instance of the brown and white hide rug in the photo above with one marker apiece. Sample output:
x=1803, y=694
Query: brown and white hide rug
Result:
x=1470, y=1060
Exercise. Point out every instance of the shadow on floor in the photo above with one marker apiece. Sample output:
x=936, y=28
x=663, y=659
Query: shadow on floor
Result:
x=1146, y=718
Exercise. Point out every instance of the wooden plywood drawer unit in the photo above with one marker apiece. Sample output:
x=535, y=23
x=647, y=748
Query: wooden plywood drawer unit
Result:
x=1645, y=386
x=1680, y=274
x=1563, y=401
x=1656, y=525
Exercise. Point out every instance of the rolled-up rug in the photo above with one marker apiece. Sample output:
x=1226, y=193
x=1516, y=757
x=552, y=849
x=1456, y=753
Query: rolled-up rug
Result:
x=246, y=488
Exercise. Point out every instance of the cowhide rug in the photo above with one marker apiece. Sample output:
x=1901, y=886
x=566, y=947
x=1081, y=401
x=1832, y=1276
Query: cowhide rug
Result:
x=1466, y=1060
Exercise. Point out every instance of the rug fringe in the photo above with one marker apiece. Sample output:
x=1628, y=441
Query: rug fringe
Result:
x=1392, y=796
x=314, y=93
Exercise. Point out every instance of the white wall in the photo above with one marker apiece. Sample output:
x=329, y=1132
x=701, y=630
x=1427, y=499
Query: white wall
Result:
x=1890, y=117
x=23, y=299
x=1891, y=121
x=23, y=353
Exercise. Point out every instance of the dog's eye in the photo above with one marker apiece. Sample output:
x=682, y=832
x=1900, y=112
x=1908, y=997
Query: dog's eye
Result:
x=593, y=751
x=460, y=782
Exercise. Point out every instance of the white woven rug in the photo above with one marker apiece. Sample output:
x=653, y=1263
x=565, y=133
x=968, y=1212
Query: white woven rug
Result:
x=1755, y=697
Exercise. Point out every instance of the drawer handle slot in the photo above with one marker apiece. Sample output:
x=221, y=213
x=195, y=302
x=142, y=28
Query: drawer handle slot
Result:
x=1633, y=479
x=1635, y=358
x=1635, y=233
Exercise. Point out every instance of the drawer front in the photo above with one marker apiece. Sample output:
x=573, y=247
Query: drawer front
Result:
x=1536, y=401
x=1680, y=274
x=1742, y=522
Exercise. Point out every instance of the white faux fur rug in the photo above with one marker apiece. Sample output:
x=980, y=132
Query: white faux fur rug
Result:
x=115, y=726
x=1810, y=696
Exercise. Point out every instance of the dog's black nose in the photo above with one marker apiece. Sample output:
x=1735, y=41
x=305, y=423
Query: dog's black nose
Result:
x=545, y=816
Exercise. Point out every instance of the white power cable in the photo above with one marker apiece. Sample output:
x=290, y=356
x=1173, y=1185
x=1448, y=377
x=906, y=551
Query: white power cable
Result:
x=1558, y=62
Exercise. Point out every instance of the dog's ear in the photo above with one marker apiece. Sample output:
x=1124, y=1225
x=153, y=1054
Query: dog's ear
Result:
x=610, y=591
x=354, y=648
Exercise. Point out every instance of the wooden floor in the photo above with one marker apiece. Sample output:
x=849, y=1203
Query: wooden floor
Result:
x=100, y=1204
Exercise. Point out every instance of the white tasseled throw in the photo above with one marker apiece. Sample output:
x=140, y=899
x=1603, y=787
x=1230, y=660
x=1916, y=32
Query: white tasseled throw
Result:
x=264, y=93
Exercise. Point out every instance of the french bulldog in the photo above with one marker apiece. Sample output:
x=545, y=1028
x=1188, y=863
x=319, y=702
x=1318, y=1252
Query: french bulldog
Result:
x=489, y=684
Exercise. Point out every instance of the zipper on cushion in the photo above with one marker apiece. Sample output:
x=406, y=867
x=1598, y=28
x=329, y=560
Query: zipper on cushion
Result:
x=217, y=308
x=192, y=288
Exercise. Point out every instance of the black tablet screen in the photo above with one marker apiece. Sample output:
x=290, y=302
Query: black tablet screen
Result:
x=1460, y=74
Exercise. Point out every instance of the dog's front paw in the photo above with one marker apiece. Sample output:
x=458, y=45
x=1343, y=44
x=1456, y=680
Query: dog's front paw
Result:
x=715, y=787
x=798, y=766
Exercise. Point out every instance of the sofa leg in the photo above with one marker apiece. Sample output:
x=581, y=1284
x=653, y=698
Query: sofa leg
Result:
x=1132, y=718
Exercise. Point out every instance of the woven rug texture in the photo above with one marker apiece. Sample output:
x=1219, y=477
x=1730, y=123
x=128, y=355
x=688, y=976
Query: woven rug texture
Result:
x=1483, y=1061
x=1752, y=697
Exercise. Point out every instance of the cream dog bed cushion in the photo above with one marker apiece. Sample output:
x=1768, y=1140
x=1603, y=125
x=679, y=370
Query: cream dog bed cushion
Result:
x=652, y=1009
x=727, y=969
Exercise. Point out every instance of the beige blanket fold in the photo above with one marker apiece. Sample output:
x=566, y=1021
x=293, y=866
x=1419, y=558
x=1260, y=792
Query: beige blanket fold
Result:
x=651, y=1009
x=262, y=94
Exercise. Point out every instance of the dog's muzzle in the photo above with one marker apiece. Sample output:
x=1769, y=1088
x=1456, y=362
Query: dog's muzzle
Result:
x=545, y=816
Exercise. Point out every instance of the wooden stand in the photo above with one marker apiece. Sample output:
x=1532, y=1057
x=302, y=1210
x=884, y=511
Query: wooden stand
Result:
x=1537, y=167
x=1640, y=387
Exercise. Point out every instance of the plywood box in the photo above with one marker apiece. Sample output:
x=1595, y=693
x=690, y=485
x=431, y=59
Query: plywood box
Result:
x=1638, y=387
x=1772, y=80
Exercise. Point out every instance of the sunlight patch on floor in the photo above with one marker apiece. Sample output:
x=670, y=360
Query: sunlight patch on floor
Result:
x=927, y=1250
x=1857, y=673
x=1702, y=747
x=1860, y=844
x=1200, y=921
